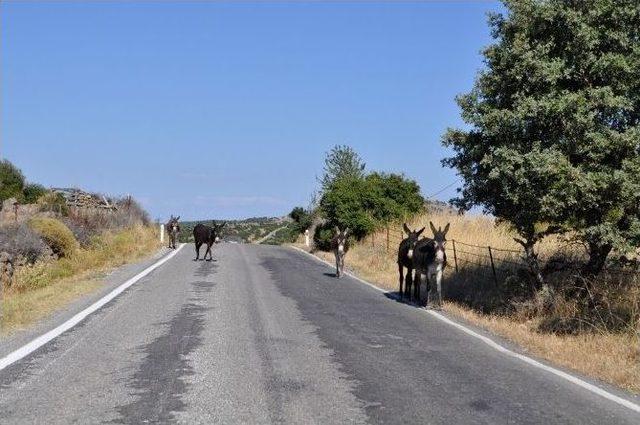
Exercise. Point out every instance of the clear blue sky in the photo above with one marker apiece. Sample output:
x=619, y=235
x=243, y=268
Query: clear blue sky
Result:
x=226, y=110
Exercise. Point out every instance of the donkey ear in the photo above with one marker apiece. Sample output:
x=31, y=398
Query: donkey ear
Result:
x=337, y=230
x=406, y=228
x=346, y=232
x=446, y=228
x=178, y=218
x=419, y=232
x=433, y=228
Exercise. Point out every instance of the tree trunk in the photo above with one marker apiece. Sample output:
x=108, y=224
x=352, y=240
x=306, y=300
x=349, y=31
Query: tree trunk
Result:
x=597, y=258
x=532, y=261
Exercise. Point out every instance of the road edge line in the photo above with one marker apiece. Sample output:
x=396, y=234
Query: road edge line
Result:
x=496, y=346
x=38, y=342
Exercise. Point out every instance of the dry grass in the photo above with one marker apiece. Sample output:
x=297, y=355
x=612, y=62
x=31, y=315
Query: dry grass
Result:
x=611, y=357
x=45, y=287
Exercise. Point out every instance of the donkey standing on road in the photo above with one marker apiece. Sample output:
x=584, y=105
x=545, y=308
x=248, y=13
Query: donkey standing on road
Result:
x=405, y=259
x=208, y=235
x=173, y=228
x=340, y=246
x=429, y=260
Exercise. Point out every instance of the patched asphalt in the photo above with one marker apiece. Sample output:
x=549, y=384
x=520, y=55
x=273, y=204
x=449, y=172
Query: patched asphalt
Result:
x=266, y=335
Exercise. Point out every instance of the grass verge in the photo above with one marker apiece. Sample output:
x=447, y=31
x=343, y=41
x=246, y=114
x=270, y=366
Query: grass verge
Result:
x=612, y=357
x=43, y=288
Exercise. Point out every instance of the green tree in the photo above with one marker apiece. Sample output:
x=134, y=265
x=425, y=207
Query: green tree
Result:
x=341, y=162
x=553, y=140
x=344, y=204
x=301, y=218
x=392, y=197
x=11, y=181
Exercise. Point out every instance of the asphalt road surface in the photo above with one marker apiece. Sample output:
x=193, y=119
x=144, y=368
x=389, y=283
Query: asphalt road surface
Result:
x=268, y=335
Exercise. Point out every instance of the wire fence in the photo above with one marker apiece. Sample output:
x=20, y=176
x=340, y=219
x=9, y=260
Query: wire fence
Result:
x=493, y=263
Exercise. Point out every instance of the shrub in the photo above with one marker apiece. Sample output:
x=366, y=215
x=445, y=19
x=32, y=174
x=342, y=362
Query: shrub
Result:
x=11, y=181
x=362, y=204
x=302, y=219
x=323, y=235
x=55, y=234
x=32, y=192
x=53, y=202
x=22, y=241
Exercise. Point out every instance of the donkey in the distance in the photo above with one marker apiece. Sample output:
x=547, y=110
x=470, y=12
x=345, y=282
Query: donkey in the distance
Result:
x=429, y=261
x=208, y=235
x=405, y=259
x=173, y=229
x=340, y=246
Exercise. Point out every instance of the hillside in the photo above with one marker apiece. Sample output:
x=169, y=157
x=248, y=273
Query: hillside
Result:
x=244, y=231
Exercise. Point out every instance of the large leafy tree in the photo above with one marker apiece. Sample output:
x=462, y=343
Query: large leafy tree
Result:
x=553, y=141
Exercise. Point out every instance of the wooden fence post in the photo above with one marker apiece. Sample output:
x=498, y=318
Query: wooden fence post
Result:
x=493, y=267
x=455, y=255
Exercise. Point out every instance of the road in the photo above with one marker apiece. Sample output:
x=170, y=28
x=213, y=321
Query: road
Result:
x=266, y=334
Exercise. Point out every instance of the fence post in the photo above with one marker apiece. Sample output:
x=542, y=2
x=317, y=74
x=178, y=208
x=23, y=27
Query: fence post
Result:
x=162, y=233
x=493, y=267
x=306, y=237
x=373, y=240
x=387, y=238
x=455, y=255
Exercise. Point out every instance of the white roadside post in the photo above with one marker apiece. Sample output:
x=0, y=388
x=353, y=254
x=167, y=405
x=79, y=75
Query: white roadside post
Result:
x=162, y=233
x=306, y=237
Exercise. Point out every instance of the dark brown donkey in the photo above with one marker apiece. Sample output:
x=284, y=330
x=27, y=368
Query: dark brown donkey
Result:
x=208, y=235
x=405, y=259
x=173, y=229
x=340, y=246
x=429, y=261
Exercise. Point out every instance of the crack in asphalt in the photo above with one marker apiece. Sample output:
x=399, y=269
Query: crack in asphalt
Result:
x=159, y=383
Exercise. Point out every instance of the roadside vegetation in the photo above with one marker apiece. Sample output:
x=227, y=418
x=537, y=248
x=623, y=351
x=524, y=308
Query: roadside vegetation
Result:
x=551, y=154
x=53, y=253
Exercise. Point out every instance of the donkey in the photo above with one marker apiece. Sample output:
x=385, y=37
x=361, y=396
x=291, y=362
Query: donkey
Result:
x=405, y=258
x=173, y=228
x=340, y=246
x=208, y=235
x=429, y=260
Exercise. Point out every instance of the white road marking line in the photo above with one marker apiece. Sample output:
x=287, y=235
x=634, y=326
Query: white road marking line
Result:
x=32, y=346
x=491, y=343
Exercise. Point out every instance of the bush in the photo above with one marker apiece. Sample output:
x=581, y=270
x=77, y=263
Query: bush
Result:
x=362, y=204
x=302, y=219
x=53, y=202
x=21, y=241
x=32, y=192
x=323, y=235
x=55, y=234
x=11, y=181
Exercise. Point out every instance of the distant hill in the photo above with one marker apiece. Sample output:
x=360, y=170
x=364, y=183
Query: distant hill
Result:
x=247, y=230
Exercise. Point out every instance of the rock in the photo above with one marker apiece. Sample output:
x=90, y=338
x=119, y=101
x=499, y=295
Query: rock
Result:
x=6, y=269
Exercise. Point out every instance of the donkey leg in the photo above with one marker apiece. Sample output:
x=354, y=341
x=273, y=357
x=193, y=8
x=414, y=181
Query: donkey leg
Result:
x=409, y=281
x=197, y=251
x=337, y=266
x=401, y=272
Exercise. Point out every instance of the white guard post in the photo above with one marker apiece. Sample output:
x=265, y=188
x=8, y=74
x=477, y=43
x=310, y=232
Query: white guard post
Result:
x=306, y=237
x=162, y=233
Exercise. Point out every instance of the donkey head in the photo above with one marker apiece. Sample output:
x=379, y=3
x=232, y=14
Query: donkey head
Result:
x=439, y=240
x=340, y=239
x=412, y=237
x=173, y=223
x=217, y=230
